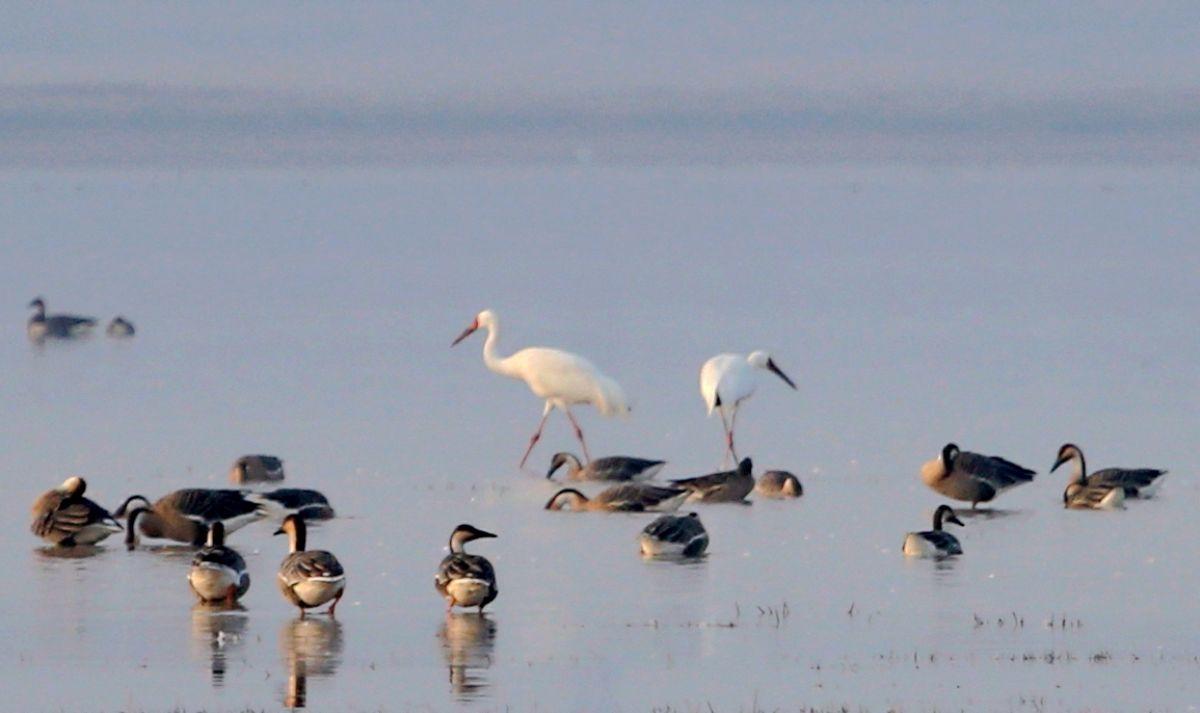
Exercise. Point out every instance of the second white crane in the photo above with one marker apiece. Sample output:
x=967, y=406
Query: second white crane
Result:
x=727, y=380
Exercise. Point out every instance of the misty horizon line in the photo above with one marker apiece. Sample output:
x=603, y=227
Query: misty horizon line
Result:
x=64, y=124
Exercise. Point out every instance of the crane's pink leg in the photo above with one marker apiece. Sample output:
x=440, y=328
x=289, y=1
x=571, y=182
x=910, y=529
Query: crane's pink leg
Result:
x=733, y=425
x=534, y=439
x=728, y=435
x=579, y=434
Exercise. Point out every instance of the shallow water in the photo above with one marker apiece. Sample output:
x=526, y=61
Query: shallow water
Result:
x=309, y=314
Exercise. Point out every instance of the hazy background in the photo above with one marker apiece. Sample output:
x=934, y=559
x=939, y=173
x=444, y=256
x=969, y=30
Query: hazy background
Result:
x=288, y=83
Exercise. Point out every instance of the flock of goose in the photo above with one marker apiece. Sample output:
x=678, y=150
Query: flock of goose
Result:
x=313, y=578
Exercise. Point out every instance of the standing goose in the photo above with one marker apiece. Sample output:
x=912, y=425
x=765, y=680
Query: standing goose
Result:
x=627, y=497
x=1136, y=482
x=185, y=515
x=936, y=542
x=308, y=578
x=120, y=328
x=674, y=535
x=609, y=468
x=218, y=572
x=561, y=378
x=727, y=380
x=309, y=504
x=778, y=484
x=466, y=580
x=56, y=326
x=64, y=517
x=728, y=486
x=256, y=469
x=972, y=477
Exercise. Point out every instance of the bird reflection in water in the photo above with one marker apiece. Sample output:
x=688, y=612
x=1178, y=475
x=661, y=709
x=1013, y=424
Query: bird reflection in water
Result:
x=311, y=646
x=467, y=642
x=217, y=632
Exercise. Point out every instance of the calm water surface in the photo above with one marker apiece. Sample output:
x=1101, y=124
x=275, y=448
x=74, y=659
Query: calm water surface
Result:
x=309, y=314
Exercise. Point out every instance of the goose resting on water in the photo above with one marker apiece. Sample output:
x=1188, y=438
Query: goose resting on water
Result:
x=218, y=573
x=185, y=515
x=610, y=468
x=466, y=580
x=674, y=535
x=64, y=517
x=628, y=497
x=972, y=477
x=120, y=328
x=256, y=469
x=728, y=486
x=778, y=484
x=55, y=326
x=936, y=542
x=308, y=578
x=1136, y=482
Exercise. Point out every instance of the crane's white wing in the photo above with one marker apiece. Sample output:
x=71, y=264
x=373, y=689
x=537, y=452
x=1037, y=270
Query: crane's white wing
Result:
x=568, y=378
x=726, y=379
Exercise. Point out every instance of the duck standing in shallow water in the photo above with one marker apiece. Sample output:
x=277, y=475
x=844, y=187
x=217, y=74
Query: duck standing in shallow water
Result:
x=308, y=578
x=623, y=468
x=218, y=572
x=466, y=580
x=64, y=517
x=936, y=542
x=674, y=536
x=55, y=326
x=1136, y=482
x=972, y=477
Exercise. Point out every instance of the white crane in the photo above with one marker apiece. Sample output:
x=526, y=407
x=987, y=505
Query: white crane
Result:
x=727, y=380
x=561, y=378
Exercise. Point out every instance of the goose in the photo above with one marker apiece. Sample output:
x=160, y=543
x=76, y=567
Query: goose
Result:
x=466, y=580
x=609, y=468
x=218, y=572
x=778, y=484
x=55, y=326
x=728, y=486
x=674, y=535
x=627, y=497
x=310, y=504
x=1137, y=482
x=64, y=517
x=936, y=542
x=559, y=377
x=1084, y=496
x=972, y=477
x=185, y=515
x=308, y=578
x=726, y=380
x=120, y=328
x=256, y=469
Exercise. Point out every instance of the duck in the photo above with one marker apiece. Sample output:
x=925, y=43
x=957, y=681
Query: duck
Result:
x=63, y=517
x=218, y=573
x=726, y=380
x=622, y=468
x=256, y=469
x=936, y=542
x=627, y=497
x=311, y=504
x=120, y=328
x=972, y=477
x=466, y=580
x=778, y=484
x=56, y=326
x=1136, y=482
x=185, y=515
x=727, y=486
x=674, y=535
x=308, y=578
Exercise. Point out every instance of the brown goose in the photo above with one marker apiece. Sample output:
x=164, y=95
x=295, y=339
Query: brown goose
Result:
x=627, y=497
x=609, y=468
x=64, y=517
x=778, y=484
x=185, y=515
x=256, y=469
x=218, y=572
x=1137, y=482
x=729, y=486
x=972, y=477
x=466, y=580
x=308, y=578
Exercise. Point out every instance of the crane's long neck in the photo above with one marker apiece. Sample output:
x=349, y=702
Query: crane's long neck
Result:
x=494, y=361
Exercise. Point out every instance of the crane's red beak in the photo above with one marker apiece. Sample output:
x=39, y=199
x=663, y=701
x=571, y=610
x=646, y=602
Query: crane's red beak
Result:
x=466, y=332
